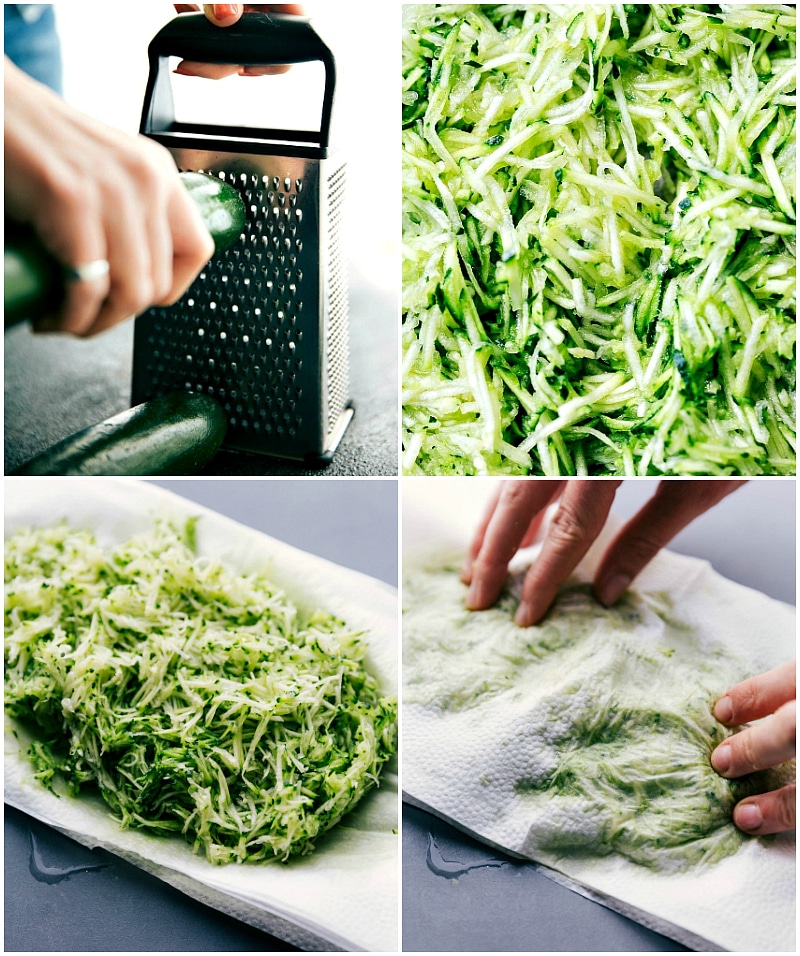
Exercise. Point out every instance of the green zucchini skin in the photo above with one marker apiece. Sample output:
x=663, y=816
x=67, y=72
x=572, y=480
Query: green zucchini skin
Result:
x=33, y=281
x=173, y=435
x=220, y=205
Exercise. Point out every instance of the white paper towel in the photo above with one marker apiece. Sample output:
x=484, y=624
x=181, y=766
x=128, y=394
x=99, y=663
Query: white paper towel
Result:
x=344, y=895
x=744, y=903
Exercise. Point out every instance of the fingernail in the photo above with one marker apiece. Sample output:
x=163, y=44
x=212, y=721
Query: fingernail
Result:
x=474, y=596
x=181, y=72
x=613, y=589
x=225, y=11
x=250, y=71
x=723, y=710
x=466, y=570
x=721, y=758
x=524, y=616
x=747, y=816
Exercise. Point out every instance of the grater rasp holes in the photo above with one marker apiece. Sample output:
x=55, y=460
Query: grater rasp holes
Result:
x=276, y=318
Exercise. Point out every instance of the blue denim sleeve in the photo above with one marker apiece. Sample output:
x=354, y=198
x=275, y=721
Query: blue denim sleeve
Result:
x=31, y=41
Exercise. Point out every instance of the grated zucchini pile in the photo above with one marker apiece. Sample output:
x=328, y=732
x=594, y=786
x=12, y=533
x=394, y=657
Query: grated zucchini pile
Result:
x=195, y=700
x=599, y=239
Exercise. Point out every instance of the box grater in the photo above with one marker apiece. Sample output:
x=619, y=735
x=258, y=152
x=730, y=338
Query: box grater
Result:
x=264, y=327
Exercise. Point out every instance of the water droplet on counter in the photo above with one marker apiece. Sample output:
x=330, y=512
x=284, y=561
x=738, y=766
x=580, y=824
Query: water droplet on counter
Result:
x=452, y=869
x=55, y=874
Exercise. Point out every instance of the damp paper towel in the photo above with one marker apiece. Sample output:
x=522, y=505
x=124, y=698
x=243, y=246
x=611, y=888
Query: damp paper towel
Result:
x=484, y=721
x=344, y=895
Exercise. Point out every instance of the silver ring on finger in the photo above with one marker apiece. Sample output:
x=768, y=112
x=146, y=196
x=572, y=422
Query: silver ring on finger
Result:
x=89, y=272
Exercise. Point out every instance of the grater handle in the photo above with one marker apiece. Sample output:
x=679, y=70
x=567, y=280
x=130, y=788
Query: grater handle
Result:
x=257, y=39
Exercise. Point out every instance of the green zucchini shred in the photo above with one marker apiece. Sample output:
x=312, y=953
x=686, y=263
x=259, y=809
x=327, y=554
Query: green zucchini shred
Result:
x=194, y=700
x=599, y=239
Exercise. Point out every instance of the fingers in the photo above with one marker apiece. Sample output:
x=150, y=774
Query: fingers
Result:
x=216, y=10
x=271, y=70
x=158, y=235
x=477, y=541
x=515, y=506
x=533, y=529
x=218, y=71
x=757, y=697
x=223, y=14
x=209, y=71
x=772, y=812
x=129, y=259
x=157, y=242
x=293, y=8
x=581, y=514
x=766, y=744
x=76, y=237
x=157, y=247
x=674, y=505
x=133, y=205
x=192, y=246
x=94, y=195
x=226, y=15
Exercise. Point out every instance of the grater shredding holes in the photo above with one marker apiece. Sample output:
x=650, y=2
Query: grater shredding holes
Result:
x=264, y=267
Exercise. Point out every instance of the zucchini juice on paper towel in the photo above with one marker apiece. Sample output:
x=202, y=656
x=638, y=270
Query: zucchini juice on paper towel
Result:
x=598, y=239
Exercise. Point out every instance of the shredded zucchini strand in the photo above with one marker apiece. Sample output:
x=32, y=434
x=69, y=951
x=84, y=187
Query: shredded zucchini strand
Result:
x=625, y=172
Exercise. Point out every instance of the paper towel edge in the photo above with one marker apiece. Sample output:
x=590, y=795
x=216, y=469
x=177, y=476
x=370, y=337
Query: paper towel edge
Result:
x=312, y=937
x=291, y=929
x=654, y=923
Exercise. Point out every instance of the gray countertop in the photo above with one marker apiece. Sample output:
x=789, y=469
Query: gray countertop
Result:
x=461, y=896
x=62, y=897
x=56, y=385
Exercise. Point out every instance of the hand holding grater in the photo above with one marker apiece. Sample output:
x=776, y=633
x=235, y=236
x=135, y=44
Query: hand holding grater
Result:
x=264, y=327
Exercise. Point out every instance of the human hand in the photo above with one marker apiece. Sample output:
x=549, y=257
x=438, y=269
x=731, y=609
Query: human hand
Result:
x=766, y=744
x=95, y=195
x=515, y=515
x=225, y=15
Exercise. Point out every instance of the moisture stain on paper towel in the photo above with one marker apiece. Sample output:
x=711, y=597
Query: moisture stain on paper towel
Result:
x=56, y=874
x=452, y=869
x=560, y=721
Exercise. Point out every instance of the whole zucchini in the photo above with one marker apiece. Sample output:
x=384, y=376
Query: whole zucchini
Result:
x=33, y=280
x=173, y=435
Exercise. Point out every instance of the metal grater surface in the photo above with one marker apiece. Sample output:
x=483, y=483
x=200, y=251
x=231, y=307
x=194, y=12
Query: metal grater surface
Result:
x=338, y=324
x=264, y=328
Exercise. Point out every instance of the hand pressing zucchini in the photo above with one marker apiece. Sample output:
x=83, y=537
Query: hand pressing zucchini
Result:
x=173, y=435
x=33, y=280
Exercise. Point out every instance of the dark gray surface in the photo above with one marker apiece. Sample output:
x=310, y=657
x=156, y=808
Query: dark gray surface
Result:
x=750, y=537
x=56, y=385
x=119, y=908
x=460, y=896
x=62, y=897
